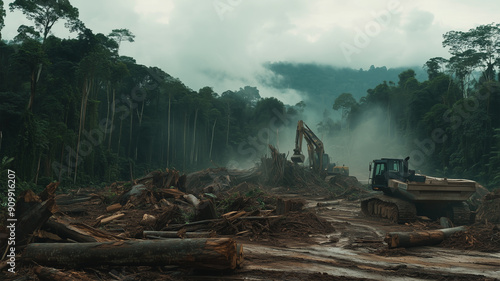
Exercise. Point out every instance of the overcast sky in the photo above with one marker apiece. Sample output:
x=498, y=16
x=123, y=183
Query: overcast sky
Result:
x=223, y=43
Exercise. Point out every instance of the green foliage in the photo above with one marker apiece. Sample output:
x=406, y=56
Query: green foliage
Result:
x=122, y=34
x=345, y=102
x=119, y=119
x=477, y=48
x=2, y=18
x=44, y=14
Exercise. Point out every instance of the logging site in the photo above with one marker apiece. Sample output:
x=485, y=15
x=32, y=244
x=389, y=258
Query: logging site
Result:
x=249, y=140
x=275, y=221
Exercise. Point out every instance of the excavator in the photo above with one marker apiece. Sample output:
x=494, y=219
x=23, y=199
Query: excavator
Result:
x=407, y=195
x=319, y=161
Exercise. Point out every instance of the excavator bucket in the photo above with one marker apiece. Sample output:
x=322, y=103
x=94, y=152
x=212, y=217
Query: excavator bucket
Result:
x=298, y=158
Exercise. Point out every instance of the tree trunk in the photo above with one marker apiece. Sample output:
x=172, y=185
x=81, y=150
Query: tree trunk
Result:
x=38, y=168
x=32, y=90
x=67, y=229
x=228, y=119
x=184, y=143
x=168, y=133
x=119, y=138
x=420, y=238
x=107, y=110
x=194, y=136
x=113, y=107
x=83, y=109
x=129, y=152
x=214, y=254
x=212, y=140
x=32, y=212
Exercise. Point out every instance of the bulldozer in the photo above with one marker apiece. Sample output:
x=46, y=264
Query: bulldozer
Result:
x=407, y=195
x=319, y=161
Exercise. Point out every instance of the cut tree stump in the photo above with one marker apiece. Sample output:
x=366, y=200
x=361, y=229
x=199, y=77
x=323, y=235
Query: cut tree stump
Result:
x=289, y=205
x=33, y=211
x=419, y=238
x=205, y=210
x=212, y=253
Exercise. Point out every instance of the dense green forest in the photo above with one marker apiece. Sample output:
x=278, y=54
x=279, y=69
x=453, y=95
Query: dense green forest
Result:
x=76, y=111
x=319, y=82
x=450, y=124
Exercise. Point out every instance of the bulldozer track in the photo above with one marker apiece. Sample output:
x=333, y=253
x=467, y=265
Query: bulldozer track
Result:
x=394, y=209
x=460, y=213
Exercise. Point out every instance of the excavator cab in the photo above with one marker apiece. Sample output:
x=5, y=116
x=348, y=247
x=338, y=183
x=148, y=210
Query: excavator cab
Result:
x=384, y=169
x=381, y=171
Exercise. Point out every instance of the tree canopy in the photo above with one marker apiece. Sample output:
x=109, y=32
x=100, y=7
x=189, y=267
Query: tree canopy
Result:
x=100, y=117
x=45, y=13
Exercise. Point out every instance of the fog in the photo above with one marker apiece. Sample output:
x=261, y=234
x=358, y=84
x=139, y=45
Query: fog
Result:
x=353, y=147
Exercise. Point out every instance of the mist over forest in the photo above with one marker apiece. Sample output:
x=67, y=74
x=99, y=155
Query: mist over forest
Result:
x=77, y=111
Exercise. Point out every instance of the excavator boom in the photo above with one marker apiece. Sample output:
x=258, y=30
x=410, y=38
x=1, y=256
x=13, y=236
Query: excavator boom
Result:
x=315, y=147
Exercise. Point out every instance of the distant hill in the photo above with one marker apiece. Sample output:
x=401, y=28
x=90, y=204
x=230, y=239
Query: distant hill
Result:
x=323, y=83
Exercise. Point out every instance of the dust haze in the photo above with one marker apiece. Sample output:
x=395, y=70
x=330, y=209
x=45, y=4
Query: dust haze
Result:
x=371, y=138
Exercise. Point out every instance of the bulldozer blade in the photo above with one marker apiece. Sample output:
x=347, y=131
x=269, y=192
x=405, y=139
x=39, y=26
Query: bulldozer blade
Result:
x=298, y=158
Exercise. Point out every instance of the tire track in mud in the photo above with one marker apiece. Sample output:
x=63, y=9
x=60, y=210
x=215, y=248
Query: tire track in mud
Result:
x=344, y=258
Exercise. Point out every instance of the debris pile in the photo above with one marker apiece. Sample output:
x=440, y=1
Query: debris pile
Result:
x=489, y=210
x=346, y=187
x=278, y=171
x=478, y=237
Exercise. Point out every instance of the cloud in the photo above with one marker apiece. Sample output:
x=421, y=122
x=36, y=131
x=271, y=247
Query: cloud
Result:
x=223, y=43
x=158, y=11
x=418, y=21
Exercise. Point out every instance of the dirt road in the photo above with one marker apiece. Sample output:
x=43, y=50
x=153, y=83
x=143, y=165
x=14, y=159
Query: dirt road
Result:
x=356, y=252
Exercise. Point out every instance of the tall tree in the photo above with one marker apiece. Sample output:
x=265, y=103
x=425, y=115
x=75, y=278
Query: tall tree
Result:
x=477, y=48
x=435, y=66
x=2, y=16
x=45, y=13
x=344, y=102
x=120, y=35
x=32, y=55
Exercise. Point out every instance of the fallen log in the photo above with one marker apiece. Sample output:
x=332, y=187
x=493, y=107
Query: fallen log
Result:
x=419, y=238
x=52, y=274
x=176, y=234
x=110, y=218
x=213, y=254
x=113, y=208
x=68, y=229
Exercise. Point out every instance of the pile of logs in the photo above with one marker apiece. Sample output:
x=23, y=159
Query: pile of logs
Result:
x=81, y=245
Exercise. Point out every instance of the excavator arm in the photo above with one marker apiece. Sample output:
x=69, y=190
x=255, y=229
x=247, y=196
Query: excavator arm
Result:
x=315, y=147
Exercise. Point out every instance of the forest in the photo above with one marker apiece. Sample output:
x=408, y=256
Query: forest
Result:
x=76, y=111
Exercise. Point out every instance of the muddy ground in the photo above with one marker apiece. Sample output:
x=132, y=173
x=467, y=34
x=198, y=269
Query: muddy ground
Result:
x=329, y=239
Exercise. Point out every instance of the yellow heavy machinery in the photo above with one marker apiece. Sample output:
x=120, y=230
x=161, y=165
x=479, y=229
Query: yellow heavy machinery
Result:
x=406, y=194
x=318, y=160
